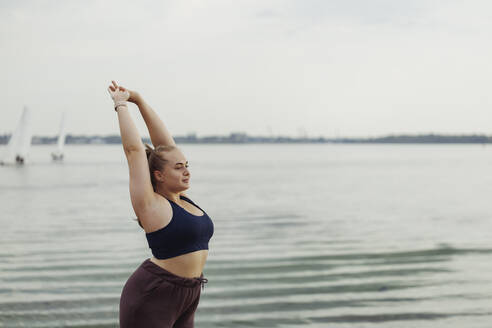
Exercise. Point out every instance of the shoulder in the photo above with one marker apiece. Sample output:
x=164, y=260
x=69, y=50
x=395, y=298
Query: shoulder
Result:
x=159, y=213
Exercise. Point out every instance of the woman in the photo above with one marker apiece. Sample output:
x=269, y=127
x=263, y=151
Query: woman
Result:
x=164, y=291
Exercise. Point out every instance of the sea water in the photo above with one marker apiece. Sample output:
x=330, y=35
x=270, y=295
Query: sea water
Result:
x=306, y=235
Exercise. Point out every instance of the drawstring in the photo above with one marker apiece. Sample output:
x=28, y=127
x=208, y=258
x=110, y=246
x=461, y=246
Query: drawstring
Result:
x=202, y=281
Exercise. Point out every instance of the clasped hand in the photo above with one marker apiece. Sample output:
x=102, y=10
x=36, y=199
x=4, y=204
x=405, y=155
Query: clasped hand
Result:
x=119, y=94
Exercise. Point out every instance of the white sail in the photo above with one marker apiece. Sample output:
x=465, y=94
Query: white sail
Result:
x=58, y=154
x=61, y=134
x=20, y=141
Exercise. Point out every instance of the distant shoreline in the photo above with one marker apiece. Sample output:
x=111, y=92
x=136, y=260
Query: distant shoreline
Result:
x=242, y=138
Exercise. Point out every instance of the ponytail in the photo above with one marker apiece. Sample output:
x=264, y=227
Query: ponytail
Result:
x=148, y=150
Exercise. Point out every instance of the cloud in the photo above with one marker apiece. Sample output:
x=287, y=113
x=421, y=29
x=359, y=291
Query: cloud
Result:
x=359, y=67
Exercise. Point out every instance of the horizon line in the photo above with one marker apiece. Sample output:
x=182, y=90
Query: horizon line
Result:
x=305, y=136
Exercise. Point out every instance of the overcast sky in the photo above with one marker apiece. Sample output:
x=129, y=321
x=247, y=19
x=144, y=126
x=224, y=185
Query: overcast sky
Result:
x=324, y=68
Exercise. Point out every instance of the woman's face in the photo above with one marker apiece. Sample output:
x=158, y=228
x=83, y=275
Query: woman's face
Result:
x=176, y=176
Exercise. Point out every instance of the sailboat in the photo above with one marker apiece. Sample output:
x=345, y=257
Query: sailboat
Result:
x=20, y=141
x=58, y=154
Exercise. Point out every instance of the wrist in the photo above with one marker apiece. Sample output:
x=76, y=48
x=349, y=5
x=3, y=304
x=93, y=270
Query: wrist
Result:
x=139, y=101
x=135, y=98
x=118, y=106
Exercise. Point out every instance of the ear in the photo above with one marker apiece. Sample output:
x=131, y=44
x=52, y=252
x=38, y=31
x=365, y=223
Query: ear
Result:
x=159, y=176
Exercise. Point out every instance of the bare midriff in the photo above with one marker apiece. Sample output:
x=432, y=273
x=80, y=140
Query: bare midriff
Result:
x=188, y=265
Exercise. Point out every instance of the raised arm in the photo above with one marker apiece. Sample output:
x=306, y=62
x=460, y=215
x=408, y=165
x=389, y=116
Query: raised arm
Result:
x=159, y=135
x=141, y=191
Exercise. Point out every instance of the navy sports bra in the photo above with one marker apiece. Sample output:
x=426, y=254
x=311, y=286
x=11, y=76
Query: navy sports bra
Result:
x=185, y=233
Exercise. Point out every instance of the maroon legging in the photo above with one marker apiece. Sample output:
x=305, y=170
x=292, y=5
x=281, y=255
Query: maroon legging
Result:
x=154, y=297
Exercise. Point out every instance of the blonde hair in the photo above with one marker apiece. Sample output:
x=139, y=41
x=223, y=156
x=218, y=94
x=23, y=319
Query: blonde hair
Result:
x=156, y=160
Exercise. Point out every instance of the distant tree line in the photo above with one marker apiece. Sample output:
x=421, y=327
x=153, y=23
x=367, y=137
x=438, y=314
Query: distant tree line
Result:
x=244, y=138
x=426, y=138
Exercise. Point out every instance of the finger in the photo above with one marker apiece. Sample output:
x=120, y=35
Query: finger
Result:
x=112, y=88
x=114, y=83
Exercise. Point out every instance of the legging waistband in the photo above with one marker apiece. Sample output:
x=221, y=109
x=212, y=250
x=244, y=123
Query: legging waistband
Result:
x=153, y=268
